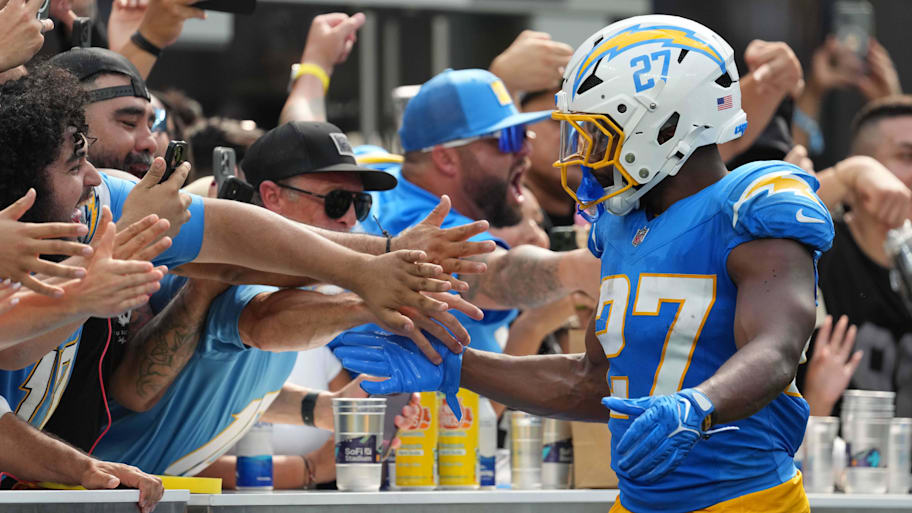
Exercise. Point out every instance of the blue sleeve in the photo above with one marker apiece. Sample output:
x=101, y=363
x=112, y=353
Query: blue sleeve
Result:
x=777, y=200
x=185, y=246
x=221, y=332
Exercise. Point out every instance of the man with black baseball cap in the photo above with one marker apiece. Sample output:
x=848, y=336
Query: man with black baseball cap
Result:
x=306, y=171
x=119, y=112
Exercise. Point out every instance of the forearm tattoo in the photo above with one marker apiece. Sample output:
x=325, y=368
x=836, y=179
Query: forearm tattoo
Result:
x=167, y=342
x=525, y=277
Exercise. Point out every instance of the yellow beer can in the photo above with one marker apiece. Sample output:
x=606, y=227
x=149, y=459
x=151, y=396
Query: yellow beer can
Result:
x=416, y=458
x=457, y=448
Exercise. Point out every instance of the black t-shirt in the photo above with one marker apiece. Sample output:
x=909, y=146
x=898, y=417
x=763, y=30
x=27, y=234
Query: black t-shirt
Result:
x=855, y=286
x=80, y=416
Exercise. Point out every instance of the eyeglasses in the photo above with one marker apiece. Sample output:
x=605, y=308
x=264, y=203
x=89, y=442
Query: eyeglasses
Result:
x=509, y=140
x=160, y=123
x=337, y=201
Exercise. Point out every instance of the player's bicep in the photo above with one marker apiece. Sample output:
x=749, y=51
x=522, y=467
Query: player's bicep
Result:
x=776, y=293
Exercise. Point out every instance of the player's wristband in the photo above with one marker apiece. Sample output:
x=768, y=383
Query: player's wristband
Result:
x=308, y=405
x=307, y=68
x=144, y=44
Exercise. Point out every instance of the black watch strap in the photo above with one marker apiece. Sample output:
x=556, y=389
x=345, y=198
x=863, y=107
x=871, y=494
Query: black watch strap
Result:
x=144, y=44
x=308, y=405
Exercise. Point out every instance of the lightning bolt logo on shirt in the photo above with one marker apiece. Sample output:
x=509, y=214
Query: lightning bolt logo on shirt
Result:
x=779, y=182
x=631, y=37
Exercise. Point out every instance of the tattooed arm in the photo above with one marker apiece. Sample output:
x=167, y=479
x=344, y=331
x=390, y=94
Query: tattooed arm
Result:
x=528, y=276
x=163, y=346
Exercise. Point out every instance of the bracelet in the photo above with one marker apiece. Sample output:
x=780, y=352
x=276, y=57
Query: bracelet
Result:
x=144, y=44
x=311, y=473
x=308, y=405
x=389, y=238
x=307, y=68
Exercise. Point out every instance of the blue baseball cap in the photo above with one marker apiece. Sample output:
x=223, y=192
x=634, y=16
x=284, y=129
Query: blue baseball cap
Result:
x=457, y=104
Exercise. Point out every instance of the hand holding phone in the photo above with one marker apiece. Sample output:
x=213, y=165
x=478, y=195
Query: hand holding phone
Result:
x=174, y=157
x=223, y=165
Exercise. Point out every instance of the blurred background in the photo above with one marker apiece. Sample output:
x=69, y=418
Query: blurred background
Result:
x=408, y=41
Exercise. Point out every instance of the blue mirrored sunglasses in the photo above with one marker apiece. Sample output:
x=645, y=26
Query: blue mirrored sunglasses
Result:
x=160, y=124
x=509, y=140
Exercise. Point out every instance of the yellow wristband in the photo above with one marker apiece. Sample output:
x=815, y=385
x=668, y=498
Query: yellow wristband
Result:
x=298, y=70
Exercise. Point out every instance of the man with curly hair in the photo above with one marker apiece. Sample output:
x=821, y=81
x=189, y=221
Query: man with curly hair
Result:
x=49, y=156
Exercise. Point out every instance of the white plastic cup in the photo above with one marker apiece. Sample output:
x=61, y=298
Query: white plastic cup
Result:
x=899, y=459
x=818, y=457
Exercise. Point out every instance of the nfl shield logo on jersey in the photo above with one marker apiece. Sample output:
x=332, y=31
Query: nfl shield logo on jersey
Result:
x=640, y=235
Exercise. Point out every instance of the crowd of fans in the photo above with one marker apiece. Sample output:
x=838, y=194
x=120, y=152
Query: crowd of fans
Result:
x=145, y=324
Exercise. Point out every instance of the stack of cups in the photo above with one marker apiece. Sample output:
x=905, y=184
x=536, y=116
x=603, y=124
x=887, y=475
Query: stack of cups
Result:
x=898, y=461
x=526, y=445
x=818, y=457
x=359, y=437
x=866, y=418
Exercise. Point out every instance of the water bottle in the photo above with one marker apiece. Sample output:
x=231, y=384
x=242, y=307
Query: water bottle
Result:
x=254, y=458
x=487, y=442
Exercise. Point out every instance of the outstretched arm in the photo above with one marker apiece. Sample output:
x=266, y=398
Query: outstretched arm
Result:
x=528, y=276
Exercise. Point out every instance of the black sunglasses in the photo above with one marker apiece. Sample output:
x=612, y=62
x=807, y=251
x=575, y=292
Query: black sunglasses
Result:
x=337, y=201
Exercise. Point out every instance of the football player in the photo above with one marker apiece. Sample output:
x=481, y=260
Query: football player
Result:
x=707, y=291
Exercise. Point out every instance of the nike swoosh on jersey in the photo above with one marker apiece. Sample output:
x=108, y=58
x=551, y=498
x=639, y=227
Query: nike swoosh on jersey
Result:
x=801, y=218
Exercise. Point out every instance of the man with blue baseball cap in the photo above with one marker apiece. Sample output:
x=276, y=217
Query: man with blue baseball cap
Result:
x=463, y=137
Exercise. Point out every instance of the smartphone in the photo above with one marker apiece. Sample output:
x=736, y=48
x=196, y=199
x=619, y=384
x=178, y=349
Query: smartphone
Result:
x=232, y=6
x=223, y=165
x=45, y=11
x=174, y=157
x=853, y=25
x=394, y=404
x=236, y=189
x=81, y=36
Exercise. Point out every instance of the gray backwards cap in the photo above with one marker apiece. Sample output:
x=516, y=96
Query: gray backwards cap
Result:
x=86, y=62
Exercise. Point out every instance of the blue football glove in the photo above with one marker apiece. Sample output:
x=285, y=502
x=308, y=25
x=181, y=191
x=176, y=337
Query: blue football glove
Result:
x=665, y=429
x=395, y=357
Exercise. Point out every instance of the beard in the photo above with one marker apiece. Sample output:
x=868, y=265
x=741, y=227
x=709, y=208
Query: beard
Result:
x=491, y=194
x=131, y=163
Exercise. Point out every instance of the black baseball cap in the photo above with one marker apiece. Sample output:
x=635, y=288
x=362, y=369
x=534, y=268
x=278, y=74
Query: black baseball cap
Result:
x=300, y=147
x=87, y=62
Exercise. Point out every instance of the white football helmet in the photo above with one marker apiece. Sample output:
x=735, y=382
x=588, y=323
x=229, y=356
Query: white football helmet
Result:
x=641, y=95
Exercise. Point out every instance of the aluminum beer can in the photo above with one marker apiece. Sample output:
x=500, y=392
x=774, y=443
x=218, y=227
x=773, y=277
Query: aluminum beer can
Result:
x=254, y=458
x=416, y=458
x=457, y=446
x=899, y=457
x=557, y=453
x=526, y=447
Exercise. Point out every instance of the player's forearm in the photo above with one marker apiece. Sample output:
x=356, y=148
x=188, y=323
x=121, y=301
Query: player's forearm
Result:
x=160, y=350
x=751, y=379
x=296, y=320
x=31, y=455
x=528, y=276
x=256, y=238
x=561, y=386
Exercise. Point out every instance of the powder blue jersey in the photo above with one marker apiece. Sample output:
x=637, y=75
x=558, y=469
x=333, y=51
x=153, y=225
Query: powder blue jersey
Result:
x=34, y=391
x=665, y=320
x=407, y=205
x=213, y=402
